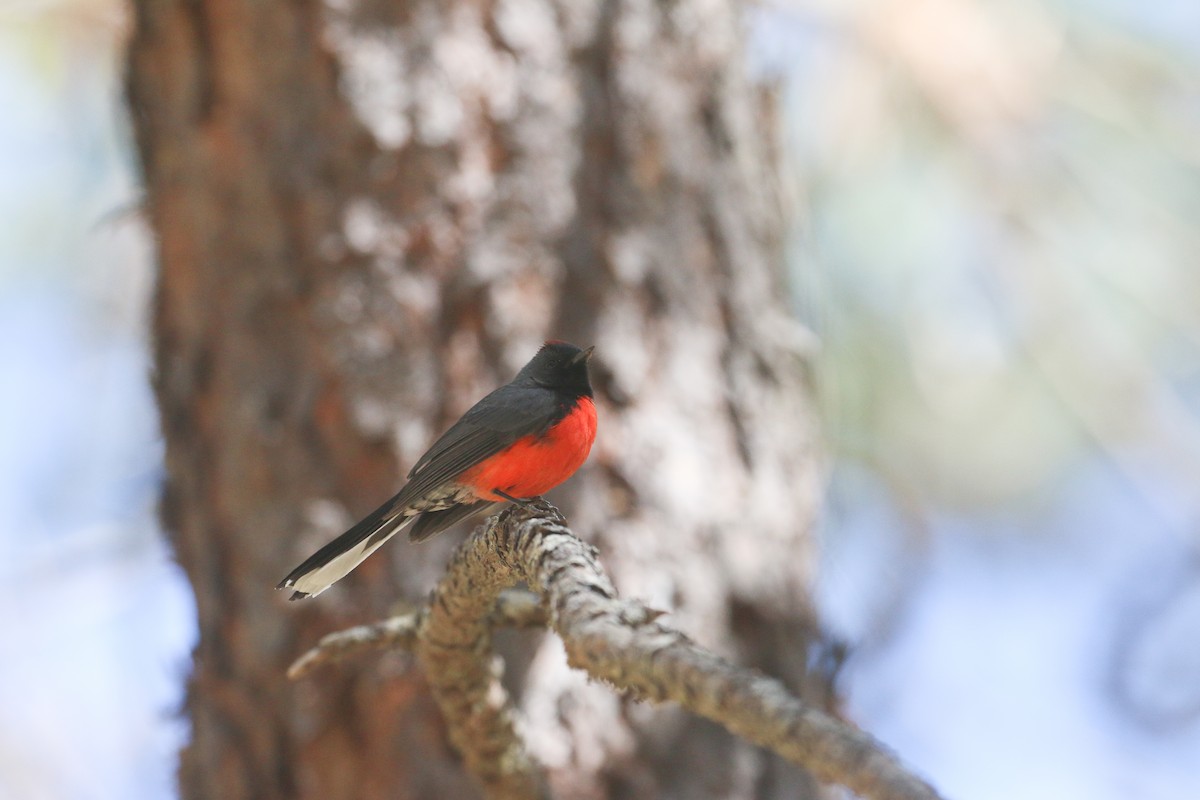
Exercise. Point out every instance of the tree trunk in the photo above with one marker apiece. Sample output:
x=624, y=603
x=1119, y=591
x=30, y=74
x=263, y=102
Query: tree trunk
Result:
x=371, y=212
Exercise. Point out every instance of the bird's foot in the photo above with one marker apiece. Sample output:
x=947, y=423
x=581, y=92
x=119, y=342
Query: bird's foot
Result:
x=531, y=504
x=527, y=504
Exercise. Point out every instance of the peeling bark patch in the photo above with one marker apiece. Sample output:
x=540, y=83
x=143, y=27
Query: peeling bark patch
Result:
x=368, y=230
x=428, y=80
x=374, y=81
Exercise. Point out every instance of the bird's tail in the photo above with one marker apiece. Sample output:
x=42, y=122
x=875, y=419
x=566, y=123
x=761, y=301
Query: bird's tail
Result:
x=432, y=522
x=335, y=560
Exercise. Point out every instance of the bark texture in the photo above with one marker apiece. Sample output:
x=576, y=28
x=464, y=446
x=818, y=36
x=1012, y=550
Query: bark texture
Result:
x=371, y=212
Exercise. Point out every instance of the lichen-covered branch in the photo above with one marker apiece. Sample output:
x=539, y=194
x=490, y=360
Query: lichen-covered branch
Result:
x=620, y=642
x=454, y=649
x=514, y=608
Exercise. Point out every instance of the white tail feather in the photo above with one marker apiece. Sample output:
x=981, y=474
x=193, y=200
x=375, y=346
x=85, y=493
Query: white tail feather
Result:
x=318, y=580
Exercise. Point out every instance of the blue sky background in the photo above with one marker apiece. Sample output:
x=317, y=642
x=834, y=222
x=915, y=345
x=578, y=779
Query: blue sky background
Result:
x=97, y=616
x=996, y=239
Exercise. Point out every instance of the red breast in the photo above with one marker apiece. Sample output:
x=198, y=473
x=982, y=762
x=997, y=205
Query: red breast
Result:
x=533, y=465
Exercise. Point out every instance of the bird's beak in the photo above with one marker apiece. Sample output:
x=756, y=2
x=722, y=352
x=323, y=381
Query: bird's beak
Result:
x=583, y=355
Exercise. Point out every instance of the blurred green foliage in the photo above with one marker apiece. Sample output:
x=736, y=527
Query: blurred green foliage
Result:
x=1000, y=241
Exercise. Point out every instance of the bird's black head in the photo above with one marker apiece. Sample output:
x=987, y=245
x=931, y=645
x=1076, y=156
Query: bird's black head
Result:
x=559, y=366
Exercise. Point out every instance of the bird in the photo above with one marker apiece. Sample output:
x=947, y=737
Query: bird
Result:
x=515, y=444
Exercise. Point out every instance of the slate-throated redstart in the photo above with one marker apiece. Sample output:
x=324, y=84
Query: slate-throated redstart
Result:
x=521, y=440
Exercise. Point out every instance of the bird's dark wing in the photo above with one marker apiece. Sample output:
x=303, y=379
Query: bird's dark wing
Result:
x=504, y=416
x=432, y=522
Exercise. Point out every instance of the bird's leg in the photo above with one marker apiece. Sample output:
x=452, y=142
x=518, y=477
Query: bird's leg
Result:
x=525, y=504
x=530, y=504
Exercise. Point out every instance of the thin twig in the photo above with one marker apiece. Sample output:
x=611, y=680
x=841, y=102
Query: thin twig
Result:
x=515, y=608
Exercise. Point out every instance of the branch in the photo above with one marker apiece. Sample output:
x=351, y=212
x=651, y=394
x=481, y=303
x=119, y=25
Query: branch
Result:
x=515, y=608
x=617, y=641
